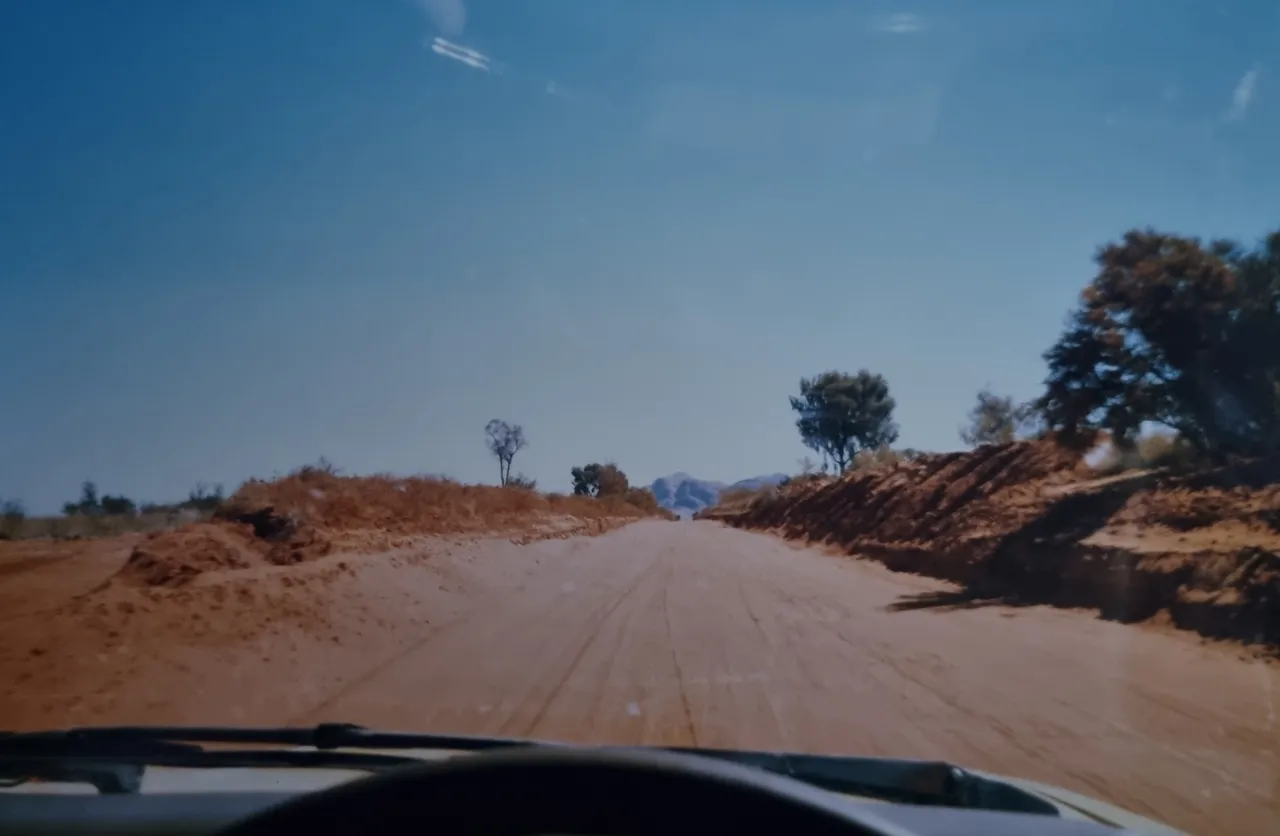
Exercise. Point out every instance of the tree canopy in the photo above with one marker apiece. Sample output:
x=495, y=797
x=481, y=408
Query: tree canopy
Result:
x=843, y=414
x=597, y=479
x=997, y=419
x=91, y=504
x=504, y=441
x=1173, y=332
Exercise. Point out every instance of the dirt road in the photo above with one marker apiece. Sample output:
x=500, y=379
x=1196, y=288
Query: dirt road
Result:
x=691, y=633
x=660, y=633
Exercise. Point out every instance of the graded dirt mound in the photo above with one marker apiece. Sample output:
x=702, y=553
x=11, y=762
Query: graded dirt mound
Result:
x=1026, y=523
x=313, y=513
x=178, y=557
x=175, y=558
x=953, y=502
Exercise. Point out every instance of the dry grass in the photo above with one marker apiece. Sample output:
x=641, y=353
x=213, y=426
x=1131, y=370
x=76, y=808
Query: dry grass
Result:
x=315, y=512
x=879, y=457
x=319, y=496
x=412, y=505
x=81, y=526
x=743, y=502
x=742, y=497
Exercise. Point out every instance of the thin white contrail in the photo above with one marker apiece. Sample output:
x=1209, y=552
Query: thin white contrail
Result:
x=470, y=57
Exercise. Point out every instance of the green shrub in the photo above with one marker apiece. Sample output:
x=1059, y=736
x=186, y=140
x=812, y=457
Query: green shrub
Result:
x=12, y=516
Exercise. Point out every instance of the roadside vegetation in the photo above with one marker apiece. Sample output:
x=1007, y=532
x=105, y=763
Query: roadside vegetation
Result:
x=504, y=441
x=1143, y=479
x=1176, y=333
x=92, y=515
x=607, y=482
x=599, y=491
x=1170, y=359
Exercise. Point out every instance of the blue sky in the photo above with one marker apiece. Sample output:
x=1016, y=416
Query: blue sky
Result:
x=239, y=235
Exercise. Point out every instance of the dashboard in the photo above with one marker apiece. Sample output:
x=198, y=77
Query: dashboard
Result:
x=200, y=814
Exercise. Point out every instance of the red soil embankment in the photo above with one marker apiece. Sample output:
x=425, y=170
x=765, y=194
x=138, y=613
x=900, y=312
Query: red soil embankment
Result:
x=1025, y=522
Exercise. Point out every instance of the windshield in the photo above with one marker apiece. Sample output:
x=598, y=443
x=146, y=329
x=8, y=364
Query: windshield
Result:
x=820, y=377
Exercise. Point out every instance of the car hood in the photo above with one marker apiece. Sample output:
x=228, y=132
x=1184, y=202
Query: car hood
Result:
x=166, y=779
x=1077, y=806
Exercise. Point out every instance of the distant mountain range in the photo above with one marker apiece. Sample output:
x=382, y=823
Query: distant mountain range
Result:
x=686, y=495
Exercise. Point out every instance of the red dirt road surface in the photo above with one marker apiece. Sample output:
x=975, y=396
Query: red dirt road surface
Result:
x=679, y=633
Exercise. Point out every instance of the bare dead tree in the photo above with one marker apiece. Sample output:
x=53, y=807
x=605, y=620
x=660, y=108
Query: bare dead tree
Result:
x=504, y=441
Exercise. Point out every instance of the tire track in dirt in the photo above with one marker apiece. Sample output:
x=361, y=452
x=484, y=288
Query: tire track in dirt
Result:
x=676, y=633
x=687, y=710
x=591, y=634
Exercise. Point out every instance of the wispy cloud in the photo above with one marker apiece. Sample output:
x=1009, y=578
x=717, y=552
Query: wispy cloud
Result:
x=448, y=16
x=1242, y=96
x=902, y=23
x=468, y=56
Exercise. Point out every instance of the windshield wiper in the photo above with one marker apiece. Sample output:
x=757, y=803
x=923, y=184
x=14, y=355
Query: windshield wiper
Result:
x=84, y=751
x=113, y=759
x=324, y=736
x=62, y=757
x=106, y=778
x=890, y=779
